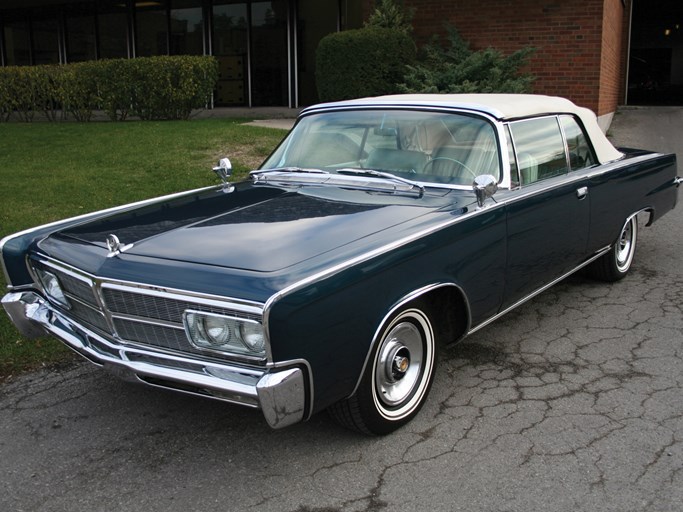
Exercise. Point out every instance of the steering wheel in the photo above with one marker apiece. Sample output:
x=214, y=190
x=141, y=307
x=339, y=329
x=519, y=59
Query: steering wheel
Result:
x=431, y=162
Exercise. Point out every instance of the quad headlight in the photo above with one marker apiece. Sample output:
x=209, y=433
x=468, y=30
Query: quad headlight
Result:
x=52, y=287
x=224, y=333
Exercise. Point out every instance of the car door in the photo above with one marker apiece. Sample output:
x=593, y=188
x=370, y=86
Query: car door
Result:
x=548, y=217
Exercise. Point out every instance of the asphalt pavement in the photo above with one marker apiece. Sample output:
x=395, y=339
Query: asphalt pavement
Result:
x=573, y=402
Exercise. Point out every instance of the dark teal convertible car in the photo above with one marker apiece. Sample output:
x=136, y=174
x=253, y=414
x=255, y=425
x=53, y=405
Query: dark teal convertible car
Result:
x=379, y=230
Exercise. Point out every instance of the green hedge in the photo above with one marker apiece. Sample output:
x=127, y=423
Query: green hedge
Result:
x=362, y=62
x=150, y=88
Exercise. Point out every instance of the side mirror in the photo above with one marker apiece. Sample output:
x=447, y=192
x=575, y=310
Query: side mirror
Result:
x=224, y=171
x=484, y=186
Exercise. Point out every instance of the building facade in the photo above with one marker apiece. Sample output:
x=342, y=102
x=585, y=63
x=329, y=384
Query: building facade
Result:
x=581, y=45
x=266, y=49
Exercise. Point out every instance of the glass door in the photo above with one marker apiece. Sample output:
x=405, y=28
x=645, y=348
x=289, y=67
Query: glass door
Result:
x=269, y=53
x=230, y=46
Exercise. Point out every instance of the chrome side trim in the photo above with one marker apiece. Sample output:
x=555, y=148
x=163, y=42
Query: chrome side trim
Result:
x=678, y=180
x=402, y=302
x=600, y=253
x=91, y=215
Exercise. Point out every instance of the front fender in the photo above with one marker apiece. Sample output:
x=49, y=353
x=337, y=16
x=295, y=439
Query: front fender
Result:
x=332, y=322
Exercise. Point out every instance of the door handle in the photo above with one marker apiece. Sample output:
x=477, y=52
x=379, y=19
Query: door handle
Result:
x=582, y=192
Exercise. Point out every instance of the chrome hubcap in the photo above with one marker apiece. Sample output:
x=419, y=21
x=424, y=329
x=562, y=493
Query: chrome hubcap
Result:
x=624, y=253
x=399, y=364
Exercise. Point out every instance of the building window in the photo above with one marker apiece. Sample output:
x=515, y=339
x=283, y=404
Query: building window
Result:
x=46, y=40
x=112, y=25
x=81, y=38
x=17, y=42
x=187, y=27
x=230, y=42
x=269, y=57
x=151, y=28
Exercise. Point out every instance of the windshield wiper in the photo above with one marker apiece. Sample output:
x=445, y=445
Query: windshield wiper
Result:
x=383, y=174
x=288, y=169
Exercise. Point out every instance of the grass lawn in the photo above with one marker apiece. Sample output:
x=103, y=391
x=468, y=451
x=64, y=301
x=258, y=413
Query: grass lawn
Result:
x=53, y=171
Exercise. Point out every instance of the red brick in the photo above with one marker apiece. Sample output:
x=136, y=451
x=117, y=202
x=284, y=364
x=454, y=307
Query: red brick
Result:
x=580, y=44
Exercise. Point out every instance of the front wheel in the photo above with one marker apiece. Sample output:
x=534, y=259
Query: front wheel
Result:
x=614, y=265
x=397, y=377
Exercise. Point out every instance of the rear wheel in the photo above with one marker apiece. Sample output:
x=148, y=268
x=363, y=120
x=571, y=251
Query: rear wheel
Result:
x=614, y=265
x=397, y=377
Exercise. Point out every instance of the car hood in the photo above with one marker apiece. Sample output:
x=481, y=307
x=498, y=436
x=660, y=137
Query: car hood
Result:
x=256, y=228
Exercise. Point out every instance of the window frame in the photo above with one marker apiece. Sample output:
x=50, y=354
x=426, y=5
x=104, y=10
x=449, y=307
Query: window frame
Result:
x=582, y=129
x=558, y=120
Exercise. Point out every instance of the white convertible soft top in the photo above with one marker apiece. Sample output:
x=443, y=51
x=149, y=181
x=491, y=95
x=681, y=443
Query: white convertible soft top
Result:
x=500, y=106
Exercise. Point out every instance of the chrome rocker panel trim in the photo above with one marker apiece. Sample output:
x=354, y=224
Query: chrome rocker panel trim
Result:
x=279, y=393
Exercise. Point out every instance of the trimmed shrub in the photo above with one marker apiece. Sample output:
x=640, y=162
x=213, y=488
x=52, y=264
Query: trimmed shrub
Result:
x=362, y=62
x=46, y=82
x=6, y=104
x=458, y=69
x=78, y=89
x=27, y=90
x=152, y=88
x=20, y=92
x=170, y=87
x=115, y=88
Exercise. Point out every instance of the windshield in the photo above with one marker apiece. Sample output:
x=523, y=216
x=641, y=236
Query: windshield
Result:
x=429, y=147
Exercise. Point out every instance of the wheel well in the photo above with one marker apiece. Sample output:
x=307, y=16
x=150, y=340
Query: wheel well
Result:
x=651, y=215
x=450, y=313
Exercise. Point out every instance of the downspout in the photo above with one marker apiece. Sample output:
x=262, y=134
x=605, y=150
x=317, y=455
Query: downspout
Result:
x=249, y=52
x=295, y=53
x=628, y=50
x=132, y=51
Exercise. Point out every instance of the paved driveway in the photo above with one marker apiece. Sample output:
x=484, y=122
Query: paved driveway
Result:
x=572, y=402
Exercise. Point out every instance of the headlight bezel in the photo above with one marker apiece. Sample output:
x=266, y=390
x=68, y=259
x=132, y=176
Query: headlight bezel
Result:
x=48, y=281
x=198, y=325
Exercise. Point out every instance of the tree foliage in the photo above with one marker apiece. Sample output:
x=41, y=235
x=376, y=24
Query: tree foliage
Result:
x=456, y=68
x=390, y=14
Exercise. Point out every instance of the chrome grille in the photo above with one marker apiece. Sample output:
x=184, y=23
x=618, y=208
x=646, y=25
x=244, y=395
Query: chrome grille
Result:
x=134, y=313
x=76, y=287
x=157, y=335
x=92, y=317
x=161, y=308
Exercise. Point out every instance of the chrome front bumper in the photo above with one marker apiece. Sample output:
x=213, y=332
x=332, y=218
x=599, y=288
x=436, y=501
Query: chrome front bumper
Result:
x=279, y=392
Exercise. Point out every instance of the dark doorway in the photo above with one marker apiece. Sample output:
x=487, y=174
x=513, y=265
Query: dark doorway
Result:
x=656, y=59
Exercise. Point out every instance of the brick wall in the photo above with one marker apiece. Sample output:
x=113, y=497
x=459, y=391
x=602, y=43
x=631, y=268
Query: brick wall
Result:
x=580, y=44
x=613, y=62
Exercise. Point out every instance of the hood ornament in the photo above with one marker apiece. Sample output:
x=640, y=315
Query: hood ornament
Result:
x=224, y=171
x=115, y=247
